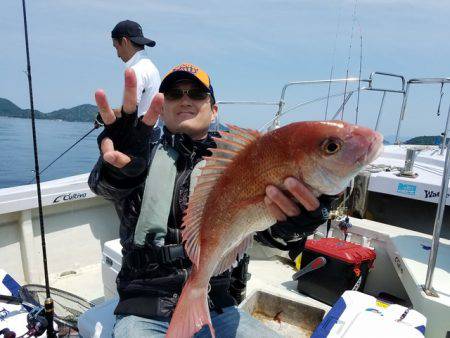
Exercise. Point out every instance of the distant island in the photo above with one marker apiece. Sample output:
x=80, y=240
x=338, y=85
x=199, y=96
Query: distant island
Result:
x=82, y=113
x=426, y=140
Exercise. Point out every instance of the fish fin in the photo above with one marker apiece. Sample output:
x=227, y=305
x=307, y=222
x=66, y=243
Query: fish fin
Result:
x=249, y=134
x=192, y=220
x=230, y=142
x=236, y=139
x=228, y=147
x=231, y=259
x=191, y=313
x=212, y=169
x=222, y=153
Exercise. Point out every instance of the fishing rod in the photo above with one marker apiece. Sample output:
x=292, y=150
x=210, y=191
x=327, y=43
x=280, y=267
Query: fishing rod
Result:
x=349, y=57
x=97, y=125
x=49, y=306
x=360, y=67
x=334, y=60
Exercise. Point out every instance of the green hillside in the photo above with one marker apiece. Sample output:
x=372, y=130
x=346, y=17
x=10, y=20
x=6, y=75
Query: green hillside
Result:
x=82, y=113
x=425, y=140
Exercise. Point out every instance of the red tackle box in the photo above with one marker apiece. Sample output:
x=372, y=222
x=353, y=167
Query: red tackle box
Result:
x=346, y=263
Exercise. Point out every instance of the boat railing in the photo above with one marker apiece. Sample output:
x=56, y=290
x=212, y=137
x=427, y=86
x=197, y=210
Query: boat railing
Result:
x=410, y=82
x=282, y=110
x=403, y=89
x=401, y=77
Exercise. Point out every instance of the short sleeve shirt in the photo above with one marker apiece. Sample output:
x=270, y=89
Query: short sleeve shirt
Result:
x=148, y=79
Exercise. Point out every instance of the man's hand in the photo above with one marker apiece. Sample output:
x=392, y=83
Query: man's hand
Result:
x=125, y=138
x=298, y=213
x=281, y=206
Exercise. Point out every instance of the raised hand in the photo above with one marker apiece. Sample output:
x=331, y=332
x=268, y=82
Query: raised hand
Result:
x=125, y=142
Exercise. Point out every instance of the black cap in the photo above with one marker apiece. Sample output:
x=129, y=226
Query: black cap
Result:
x=133, y=31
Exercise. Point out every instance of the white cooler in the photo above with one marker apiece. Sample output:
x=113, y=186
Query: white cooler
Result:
x=111, y=264
x=357, y=315
x=98, y=322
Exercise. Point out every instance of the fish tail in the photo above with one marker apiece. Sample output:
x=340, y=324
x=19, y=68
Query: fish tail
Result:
x=191, y=312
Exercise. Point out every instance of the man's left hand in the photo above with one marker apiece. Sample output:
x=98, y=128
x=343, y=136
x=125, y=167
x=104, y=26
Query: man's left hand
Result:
x=281, y=206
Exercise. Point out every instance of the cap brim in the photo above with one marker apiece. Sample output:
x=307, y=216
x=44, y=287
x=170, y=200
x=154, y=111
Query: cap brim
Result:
x=140, y=40
x=177, y=76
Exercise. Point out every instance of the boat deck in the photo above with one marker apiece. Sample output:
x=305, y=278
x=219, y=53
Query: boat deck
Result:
x=429, y=166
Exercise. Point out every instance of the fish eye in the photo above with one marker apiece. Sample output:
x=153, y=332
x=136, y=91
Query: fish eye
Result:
x=331, y=146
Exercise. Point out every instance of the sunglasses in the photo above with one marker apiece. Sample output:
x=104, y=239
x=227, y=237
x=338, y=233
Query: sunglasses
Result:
x=193, y=93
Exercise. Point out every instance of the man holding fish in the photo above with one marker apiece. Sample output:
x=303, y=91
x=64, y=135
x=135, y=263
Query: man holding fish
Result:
x=190, y=203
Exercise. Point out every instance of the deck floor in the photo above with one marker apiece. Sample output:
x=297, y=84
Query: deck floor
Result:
x=86, y=283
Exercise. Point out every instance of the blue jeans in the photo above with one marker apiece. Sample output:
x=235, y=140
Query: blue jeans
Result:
x=232, y=323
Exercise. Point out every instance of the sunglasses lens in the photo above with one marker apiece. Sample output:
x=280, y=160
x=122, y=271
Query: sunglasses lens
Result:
x=173, y=94
x=194, y=94
x=197, y=94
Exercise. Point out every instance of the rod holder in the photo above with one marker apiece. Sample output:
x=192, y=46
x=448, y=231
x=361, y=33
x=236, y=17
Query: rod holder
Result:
x=408, y=169
x=49, y=314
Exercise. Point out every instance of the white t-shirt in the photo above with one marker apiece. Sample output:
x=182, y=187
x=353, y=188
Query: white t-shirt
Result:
x=148, y=79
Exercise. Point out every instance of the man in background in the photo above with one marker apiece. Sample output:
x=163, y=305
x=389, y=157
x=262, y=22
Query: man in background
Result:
x=129, y=42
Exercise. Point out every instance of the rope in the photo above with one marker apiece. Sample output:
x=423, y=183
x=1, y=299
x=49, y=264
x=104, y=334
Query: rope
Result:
x=96, y=126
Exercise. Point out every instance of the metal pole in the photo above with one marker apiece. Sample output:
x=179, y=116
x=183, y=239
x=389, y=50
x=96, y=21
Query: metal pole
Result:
x=437, y=228
x=402, y=113
x=276, y=122
x=379, y=113
x=445, y=132
x=341, y=108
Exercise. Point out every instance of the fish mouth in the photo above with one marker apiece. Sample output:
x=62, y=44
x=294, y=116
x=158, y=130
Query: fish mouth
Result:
x=374, y=150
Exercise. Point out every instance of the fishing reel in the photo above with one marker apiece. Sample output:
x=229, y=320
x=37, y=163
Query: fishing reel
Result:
x=98, y=122
x=36, y=321
x=7, y=333
x=344, y=225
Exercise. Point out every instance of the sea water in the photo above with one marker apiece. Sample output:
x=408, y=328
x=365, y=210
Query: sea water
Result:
x=53, y=137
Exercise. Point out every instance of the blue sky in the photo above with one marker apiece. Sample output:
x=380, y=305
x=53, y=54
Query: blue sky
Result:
x=249, y=48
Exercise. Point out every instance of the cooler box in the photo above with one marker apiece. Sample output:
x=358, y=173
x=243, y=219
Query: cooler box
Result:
x=111, y=265
x=98, y=322
x=346, y=263
x=357, y=315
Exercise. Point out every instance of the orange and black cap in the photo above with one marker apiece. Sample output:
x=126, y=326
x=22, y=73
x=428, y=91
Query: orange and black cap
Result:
x=187, y=71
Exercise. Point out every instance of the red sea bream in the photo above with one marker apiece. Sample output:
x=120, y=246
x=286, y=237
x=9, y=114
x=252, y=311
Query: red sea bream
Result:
x=227, y=205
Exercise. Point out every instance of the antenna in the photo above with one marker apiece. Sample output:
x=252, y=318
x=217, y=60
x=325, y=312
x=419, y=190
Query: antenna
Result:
x=49, y=308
